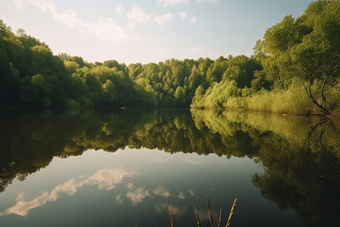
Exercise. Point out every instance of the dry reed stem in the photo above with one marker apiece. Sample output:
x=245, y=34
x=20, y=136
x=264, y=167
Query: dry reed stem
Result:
x=209, y=212
x=197, y=218
x=171, y=218
x=231, y=212
x=220, y=218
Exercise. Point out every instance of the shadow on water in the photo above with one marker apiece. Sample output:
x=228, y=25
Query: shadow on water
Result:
x=300, y=156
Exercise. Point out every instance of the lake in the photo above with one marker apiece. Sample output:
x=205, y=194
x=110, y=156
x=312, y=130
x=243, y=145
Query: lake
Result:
x=111, y=167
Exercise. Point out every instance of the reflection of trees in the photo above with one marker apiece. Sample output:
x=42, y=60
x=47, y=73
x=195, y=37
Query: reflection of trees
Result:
x=305, y=178
x=301, y=157
x=30, y=141
x=299, y=173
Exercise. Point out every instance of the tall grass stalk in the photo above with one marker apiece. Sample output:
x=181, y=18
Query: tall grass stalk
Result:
x=231, y=212
x=220, y=218
x=171, y=217
x=209, y=214
x=197, y=218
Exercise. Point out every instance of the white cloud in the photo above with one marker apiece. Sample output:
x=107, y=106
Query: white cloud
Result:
x=161, y=190
x=45, y=5
x=193, y=19
x=68, y=17
x=183, y=15
x=108, y=29
x=137, y=15
x=162, y=20
x=166, y=3
x=105, y=179
x=104, y=28
x=195, y=48
x=119, y=9
x=18, y=3
x=138, y=195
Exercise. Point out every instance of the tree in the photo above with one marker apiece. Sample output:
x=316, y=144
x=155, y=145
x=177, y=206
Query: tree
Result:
x=306, y=48
x=112, y=64
x=110, y=93
x=317, y=59
x=71, y=66
x=258, y=50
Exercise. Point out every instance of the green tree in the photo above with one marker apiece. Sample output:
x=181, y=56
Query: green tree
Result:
x=316, y=60
x=306, y=48
x=110, y=93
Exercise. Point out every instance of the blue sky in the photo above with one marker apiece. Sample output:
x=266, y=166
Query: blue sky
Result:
x=148, y=30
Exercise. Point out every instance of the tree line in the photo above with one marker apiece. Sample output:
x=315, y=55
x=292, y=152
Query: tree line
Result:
x=295, y=69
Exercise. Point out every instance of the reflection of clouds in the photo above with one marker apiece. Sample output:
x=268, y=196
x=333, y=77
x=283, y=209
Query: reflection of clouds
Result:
x=159, y=160
x=138, y=195
x=119, y=199
x=203, y=215
x=178, y=211
x=129, y=186
x=161, y=190
x=193, y=162
x=191, y=192
x=108, y=178
x=20, y=197
x=181, y=195
x=105, y=179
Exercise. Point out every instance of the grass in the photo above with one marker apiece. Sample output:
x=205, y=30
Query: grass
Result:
x=211, y=221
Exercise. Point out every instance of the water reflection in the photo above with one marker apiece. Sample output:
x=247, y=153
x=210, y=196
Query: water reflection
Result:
x=137, y=195
x=164, y=208
x=300, y=156
x=105, y=179
x=161, y=190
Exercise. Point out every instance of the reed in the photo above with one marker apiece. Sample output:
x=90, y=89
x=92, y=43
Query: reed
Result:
x=220, y=218
x=231, y=212
x=171, y=217
x=197, y=218
x=209, y=214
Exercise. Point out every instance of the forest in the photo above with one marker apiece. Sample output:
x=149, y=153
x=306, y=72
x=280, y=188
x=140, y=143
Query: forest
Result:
x=294, y=69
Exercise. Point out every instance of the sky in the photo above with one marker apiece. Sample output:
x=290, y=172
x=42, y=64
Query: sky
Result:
x=147, y=31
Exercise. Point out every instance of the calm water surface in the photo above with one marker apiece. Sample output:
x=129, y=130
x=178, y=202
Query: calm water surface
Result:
x=129, y=167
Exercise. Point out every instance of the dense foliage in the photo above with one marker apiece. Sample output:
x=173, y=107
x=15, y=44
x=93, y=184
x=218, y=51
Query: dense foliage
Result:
x=295, y=69
x=301, y=67
x=32, y=76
